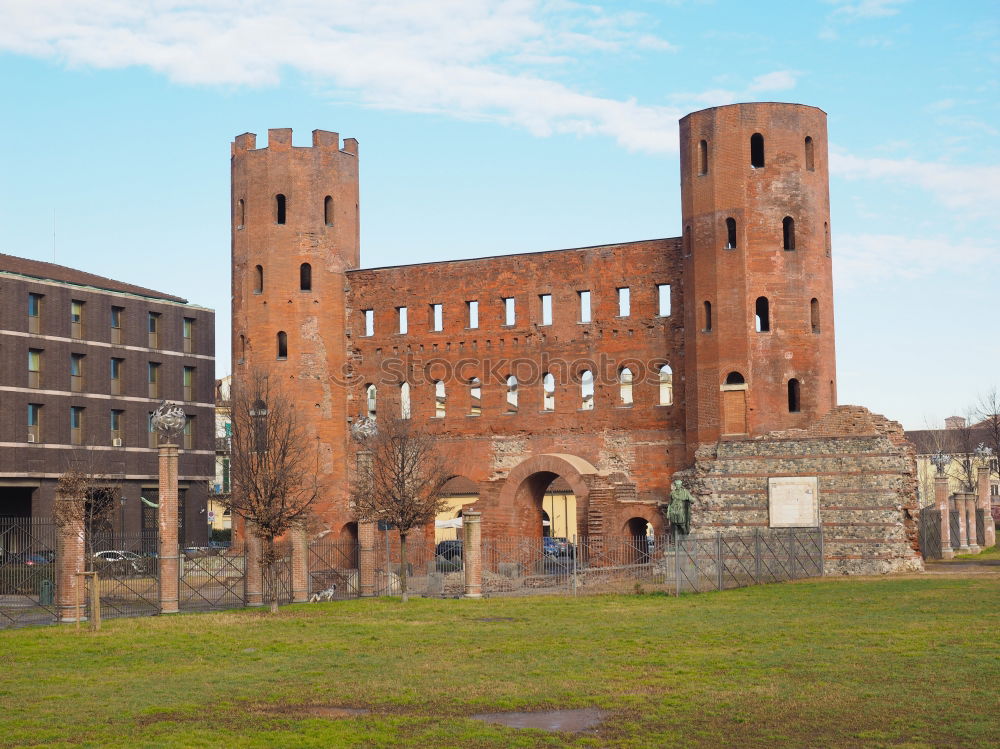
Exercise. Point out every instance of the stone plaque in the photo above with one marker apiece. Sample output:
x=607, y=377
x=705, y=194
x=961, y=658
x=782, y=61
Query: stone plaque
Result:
x=793, y=502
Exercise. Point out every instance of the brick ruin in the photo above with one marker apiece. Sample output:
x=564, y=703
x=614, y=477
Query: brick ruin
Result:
x=601, y=370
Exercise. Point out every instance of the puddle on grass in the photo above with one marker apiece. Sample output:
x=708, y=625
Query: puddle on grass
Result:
x=567, y=721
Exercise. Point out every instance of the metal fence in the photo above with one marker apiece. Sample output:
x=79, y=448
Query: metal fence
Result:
x=428, y=573
x=282, y=572
x=128, y=574
x=333, y=570
x=27, y=571
x=930, y=533
x=981, y=526
x=212, y=579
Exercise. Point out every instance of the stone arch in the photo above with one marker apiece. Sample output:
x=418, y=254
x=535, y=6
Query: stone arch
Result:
x=520, y=499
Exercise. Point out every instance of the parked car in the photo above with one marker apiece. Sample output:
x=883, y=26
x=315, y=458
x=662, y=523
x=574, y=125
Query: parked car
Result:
x=449, y=549
x=557, y=546
x=119, y=561
x=44, y=557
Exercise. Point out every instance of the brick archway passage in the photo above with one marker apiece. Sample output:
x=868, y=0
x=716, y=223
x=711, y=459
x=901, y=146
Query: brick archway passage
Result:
x=518, y=510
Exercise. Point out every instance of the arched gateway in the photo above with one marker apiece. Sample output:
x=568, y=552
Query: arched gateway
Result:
x=520, y=501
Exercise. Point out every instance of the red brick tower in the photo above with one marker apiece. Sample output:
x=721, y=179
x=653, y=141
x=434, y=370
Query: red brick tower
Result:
x=295, y=233
x=758, y=319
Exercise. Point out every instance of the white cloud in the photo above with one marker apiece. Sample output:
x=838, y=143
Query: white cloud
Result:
x=779, y=80
x=867, y=8
x=861, y=260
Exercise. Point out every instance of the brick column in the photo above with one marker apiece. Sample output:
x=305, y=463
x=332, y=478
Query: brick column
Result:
x=989, y=527
x=941, y=501
x=963, y=526
x=366, y=559
x=472, y=553
x=167, y=518
x=300, y=564
x=254, y=577
x=70, y=587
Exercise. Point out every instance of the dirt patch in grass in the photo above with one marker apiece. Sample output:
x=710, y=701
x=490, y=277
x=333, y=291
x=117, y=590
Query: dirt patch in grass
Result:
x=558, y=721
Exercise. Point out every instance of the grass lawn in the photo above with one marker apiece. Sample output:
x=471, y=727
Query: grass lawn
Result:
x=909, y=662
x=990, y=552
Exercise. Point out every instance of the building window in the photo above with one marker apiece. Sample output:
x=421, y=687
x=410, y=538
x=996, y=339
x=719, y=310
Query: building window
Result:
x=117, y=417
x=735, y=378
x=663, y=299
x=586, y=390
x=814, y=314
x=472, y=307
x=258, y=280
x=369, y=322
x=189, y=383
x=708, y=317
x=546, y=300
x=371, y=401
x=509, y=311
x=34, y=368
x=624, y=301
x=403, y=323
x=686, y=241
x=305, y=277
x=187, y=333
x=116, y=324
x=625, y=387
x=189, y=433
x=702, y=157
x=666, y=377
x=76, y=373
x=762, y=315
x=76, y=425
x=548, y=392
x=153, y=378
x=730, y=233
x=757, y=150
x=154, y=330
x=794, y=405
x=511, y=394
x=241, y=214
x=475, y=397
x=584, y=305
x=279, y=208
x=440, y=399
x=328, y=210
x=810, y=165
x=34, y=313
x=76, y=319
x=243, y=349
x=826, y=237
x=404, y=400
x=437, y=317
x=116, y=376
x=34, y=422
x=788, y=233
x=282, y=345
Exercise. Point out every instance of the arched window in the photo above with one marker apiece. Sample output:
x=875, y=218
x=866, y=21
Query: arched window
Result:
x=756, y=150
x=258, y=280
x=371, y=398
x=730, y=234
x=475, y=397
x=826, y=237
x=243, y=348
x=282, y=345
x=586, y=390
x=279, y=208
x=788, y=232
x=241, y=213
x=708, y=318
x=305, y=277
x=548, y=392
x=735, y=378
x=625, y=387
x=404, y=400
x=328, y=210
x=762, y=314
x=666, y=377
x=810, y=164
x=439, y=399
x=511, y=394
x=703, y=157
x=687, y=240
x=794, y=405
x=814, y=314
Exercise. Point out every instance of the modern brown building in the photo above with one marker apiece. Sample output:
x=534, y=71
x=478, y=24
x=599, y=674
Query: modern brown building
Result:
x=84, y=361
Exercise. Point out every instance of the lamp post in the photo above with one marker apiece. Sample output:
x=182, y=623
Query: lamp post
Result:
x=169, y=420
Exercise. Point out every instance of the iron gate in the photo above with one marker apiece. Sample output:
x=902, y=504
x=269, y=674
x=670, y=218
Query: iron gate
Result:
x=212, y=579
x=333, y=570
x=956, y=531
x=930, y=533
x=128, y=574
x=27, y=571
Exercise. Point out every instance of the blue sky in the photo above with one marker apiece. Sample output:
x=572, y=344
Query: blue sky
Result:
x=492, y=127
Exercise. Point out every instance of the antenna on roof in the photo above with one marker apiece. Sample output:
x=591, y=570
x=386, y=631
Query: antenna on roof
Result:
x=53, y=234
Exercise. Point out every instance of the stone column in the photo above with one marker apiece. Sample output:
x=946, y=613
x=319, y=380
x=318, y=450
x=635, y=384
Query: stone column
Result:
x=366, y=559
x=941, y=501
x=254, y=577
x=989, y=527
x=472, y=553
x=969, y=511
x=963, y=526
x=167, y=518
x=300, y=564
x=70, y=587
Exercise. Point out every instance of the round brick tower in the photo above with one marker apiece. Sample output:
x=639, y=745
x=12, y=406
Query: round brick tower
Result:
x=758, y=281
x=294, y=233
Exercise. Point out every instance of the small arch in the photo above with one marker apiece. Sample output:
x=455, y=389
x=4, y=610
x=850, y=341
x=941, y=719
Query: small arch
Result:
x=794, y=395
x=548, y=392
x=282, y=345
x=702, y=157
x=757, y=151
x=730, y=233
x=279, y=208
x=511, y=394
x=305, y=277
x=440, y=399
x=687, y=240
x=475, y=397
x=708, y=317
x=625, y=395
x=826, y=237
x=814, y=314
x=371, y=400
x=404, y=400
x=241, y=214
x=810, y=163
x=328, y=210
x=587, y=390
x=666, y=377
x=258, y=282
x=735, y=378
x=762, y=314
x=788, y=233
x=243, y=348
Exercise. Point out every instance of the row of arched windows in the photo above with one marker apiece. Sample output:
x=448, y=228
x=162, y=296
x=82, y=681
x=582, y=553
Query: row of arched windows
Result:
x=281, y=211
x=757, y=154
x=794, y=390
x=762, y=315
x=787, y=235
x=665, y=380
x=305, y=278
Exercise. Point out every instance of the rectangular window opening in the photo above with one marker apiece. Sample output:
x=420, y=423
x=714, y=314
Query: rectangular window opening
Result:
x=546, y=308
x=624, y=301
x=584, y=305
x=509, y=312
x=369, y=322
x=401, y=312
x=437, y=317
x=663, y=299
x=473, y=309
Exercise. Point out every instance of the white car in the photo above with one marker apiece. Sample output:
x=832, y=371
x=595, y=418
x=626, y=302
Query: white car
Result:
x=124, y=561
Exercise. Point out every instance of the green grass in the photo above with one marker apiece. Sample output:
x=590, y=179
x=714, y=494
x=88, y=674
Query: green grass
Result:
x=909, y=662
x=990, y=552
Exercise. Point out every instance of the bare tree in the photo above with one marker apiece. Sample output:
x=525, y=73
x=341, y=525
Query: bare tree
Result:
x=399, y=479
x=273, y=466
x=87, y=497
x=989, y=411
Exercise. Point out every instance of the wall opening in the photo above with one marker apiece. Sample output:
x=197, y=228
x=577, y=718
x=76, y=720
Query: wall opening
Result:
x=475, y=397
x=625, y=387
x=703, y=157
x=586, y=390
x=258, y=280
x=440, y=399
x=624, y=301
x=509, y=311
x=404, y=400
x=511, y=394
x=243, y=348
x=663, y=299
x=735, y=378
x=810, y=164
x=814, y=314
x=401, y=312
x=788, y=233
x=584, y=305
x=730, y=233
x=762, y=314
x=369, y=322
x=472, y=307
x=305, y=277
x=708, y=317
x=437, y=317
x=282, y=345
x=686, y=241
x=371, y=401
x=757, y=150
x=794, y=405
x=328, y=210
x=546, y=302
x=548, y=392
x=241, y=214
x=666, y=377
x=279, y=208
x=826, y=237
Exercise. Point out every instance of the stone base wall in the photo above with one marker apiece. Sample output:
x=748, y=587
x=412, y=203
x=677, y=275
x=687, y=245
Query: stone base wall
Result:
x=866, y=476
